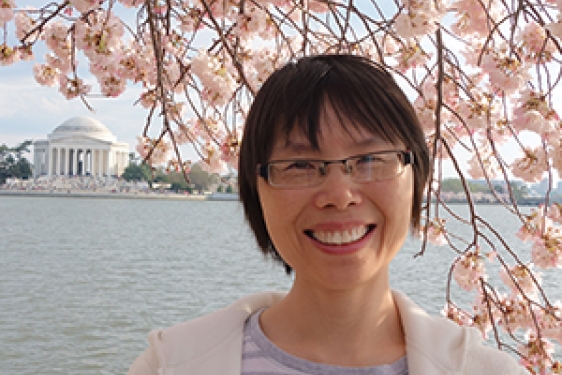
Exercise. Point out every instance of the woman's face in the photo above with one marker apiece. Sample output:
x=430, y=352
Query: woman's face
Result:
x=369, y=220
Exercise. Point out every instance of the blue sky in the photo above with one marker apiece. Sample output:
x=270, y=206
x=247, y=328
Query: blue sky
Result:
x=31, y=111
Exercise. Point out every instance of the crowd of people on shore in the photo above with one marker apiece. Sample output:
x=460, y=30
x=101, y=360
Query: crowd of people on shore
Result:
x=99, y=184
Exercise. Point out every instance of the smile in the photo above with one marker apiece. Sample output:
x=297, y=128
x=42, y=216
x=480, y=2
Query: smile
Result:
x=340, y=237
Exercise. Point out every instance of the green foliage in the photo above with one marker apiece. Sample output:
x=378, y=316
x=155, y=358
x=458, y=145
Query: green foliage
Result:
x=229, y=189
x=12, y=162
x=199, y=180
x=137, y=172
x=518, y=188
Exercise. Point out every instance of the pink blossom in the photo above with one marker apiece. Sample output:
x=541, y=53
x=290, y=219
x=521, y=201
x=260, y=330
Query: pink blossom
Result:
x=57, y=38
x=436, y=232
x=72, y=87
x=211, y=161
x=148, y=99
x=547, y=250
x=468, y=270
x=84, y=6
x=554, y=213
x=550, y=322
x=415, y=23
x=411, y=55
x=534, y=42
x=536, y=353
x=520, y=275
x=6, y=15
x=184, y=134
x=506, y=73
x=531, y=166
x=46, y=75
x=532, y=112
x=253, y=21
x=157, y=149
x=24, y=24
x=111, y=85
x=62, y=63
x=515, y=313
x=8, y=55
x=218, y=83
x=472, y=18
x=483, y=164
x=318, y=6
x=556, y=155
x=6, y=11
x=483, y=315
x=99, y=33
x=526, y=233
x=25, y=53
x=458, y=316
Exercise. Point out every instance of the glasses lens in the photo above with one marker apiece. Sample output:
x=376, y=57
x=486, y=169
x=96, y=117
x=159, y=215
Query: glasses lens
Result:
x=378, y=166
x=294, y=173
x=302, y=173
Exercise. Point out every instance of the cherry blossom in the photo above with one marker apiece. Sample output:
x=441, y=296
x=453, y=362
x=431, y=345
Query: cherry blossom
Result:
x=6, y=11
x=72, y=87
x=46, y=75
x=469, y=270
x=531, y=166
x=519, y=277
x=435, y=232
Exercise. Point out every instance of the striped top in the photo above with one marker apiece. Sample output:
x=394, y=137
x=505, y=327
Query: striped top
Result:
x=261, y=357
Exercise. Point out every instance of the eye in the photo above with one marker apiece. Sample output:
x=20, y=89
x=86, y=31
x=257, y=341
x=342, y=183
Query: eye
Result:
x=300, y=165
x=375, y=159
x=369, y=159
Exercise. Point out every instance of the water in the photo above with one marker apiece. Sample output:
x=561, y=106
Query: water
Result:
x=82, y=281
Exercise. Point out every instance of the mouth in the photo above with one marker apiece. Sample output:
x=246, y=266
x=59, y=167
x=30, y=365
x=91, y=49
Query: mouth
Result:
x=343, y=237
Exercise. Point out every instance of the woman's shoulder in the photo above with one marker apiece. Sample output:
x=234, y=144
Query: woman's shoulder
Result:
x=200, y=337
x=447, y=347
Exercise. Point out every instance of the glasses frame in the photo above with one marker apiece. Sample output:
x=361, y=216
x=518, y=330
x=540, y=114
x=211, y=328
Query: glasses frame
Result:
x=263, y=169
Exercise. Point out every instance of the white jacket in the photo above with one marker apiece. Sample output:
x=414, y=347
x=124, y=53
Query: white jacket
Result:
x=212, y=344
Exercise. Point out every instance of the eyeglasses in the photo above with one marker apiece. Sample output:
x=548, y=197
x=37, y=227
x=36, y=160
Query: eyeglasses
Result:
x=296, y=173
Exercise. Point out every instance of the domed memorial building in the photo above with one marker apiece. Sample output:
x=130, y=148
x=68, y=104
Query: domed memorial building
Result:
x=80, y=146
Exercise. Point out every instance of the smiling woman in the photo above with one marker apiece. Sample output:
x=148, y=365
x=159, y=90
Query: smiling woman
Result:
x=333, y=165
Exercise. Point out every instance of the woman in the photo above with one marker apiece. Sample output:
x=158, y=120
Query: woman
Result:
x=333, y=166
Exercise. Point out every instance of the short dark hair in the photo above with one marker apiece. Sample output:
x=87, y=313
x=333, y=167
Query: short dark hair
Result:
x=295, y=96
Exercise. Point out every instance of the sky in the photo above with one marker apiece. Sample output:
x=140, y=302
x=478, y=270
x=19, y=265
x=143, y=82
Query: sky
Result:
x=31, y=111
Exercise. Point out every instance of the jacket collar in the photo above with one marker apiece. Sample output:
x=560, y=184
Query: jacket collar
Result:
x=220, y=335
x=429, y=337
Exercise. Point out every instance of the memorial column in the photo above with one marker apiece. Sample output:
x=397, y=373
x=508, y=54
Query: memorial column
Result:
x=67, y=161
x=75, y=157
x=49, y=162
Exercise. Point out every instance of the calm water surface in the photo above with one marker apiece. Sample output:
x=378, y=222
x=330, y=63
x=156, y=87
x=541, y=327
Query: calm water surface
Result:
x=82, y=281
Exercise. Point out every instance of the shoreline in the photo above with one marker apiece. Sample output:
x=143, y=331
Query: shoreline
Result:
x=111, y=195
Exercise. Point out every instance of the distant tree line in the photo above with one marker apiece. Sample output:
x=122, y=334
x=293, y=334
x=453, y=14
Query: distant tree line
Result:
x=13, y=163
x=199, y=179
x=454, y=185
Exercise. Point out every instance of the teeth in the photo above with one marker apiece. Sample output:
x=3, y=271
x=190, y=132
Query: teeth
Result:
x=340, y=238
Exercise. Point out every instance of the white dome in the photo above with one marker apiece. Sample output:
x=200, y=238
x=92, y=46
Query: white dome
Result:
x=84, y=127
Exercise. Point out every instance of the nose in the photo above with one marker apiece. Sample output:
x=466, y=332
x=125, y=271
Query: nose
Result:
x=338, y=189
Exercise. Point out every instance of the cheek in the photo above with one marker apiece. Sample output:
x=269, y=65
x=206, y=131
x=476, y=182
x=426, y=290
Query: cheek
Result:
x=281, y=210
x=396, y=202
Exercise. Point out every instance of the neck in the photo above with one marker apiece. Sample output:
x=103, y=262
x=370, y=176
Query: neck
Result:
x=360, y=327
